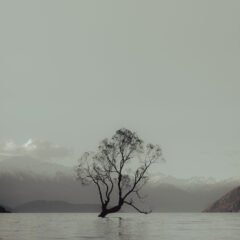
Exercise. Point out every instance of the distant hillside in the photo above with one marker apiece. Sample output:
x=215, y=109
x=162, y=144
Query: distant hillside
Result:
x=230, y=202
x=3, y=210
x=169, y=198
x=56, y=207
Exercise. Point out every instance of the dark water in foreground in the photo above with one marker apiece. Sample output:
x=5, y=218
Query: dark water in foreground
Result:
x=161, y=226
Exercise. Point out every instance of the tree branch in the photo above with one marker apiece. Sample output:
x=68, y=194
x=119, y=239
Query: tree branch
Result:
x=136, y=208
x=137, y=179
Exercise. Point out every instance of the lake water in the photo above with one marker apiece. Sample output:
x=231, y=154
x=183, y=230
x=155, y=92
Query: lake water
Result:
x=127, y=226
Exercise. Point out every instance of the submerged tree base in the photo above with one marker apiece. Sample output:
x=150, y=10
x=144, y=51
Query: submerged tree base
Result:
x=117, y=208
x=105, y=212
x=102, y=214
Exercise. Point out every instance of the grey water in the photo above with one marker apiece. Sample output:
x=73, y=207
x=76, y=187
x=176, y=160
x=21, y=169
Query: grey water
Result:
x=124, y=226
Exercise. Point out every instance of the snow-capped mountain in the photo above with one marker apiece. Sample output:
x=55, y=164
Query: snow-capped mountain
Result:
x=160, y=178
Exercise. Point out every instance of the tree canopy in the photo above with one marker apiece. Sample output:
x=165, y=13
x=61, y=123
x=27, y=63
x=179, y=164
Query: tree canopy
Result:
x=119, y=169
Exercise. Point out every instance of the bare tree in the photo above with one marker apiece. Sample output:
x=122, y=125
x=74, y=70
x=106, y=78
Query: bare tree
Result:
x=119, y=166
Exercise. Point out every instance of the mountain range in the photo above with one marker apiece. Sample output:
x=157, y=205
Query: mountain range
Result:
x=26, y=179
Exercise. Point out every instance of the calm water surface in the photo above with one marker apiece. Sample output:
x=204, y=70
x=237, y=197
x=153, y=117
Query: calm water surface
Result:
x=161, y=226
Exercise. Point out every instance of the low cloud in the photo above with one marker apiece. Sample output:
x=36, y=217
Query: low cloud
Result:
x=34, y=148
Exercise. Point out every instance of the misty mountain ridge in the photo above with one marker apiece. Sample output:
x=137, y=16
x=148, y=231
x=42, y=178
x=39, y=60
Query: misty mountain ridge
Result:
x=43, y=168
x=34, y=167
x=26, y=179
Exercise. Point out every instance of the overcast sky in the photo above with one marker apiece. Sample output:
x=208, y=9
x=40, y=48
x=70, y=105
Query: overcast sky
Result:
x=73, y=72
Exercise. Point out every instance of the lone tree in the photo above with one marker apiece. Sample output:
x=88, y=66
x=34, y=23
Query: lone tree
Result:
x=118, y=169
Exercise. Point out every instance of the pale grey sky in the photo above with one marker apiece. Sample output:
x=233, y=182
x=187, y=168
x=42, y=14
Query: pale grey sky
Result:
x=73, y=72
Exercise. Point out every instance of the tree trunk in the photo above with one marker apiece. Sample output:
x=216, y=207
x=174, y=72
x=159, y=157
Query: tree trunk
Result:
x=103, y=214
x=105, y=211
